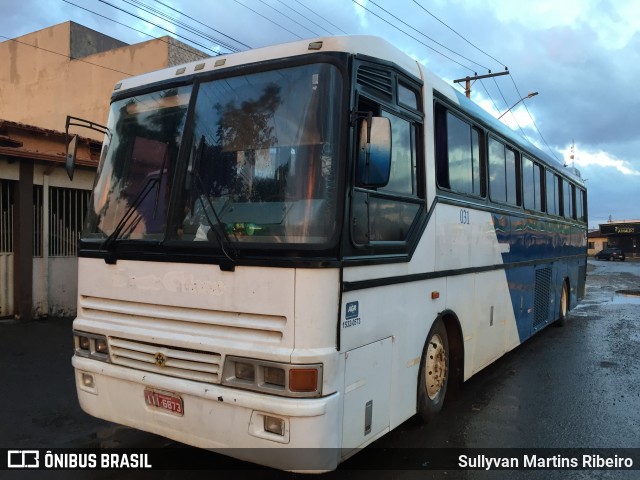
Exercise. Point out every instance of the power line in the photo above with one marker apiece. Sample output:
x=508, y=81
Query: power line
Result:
x=534, y=122
x=320, y=16
x=269, y=20
x=511, y=111
x=202, y=55
x=200, y=23
x=303, y=16
x=512, y=79
x=67, y=56
x=412, y=37
x=158, y=26
x=461, y=36
x=489, y=95
x=178, y=23
x=288, y=17
x=426, y=36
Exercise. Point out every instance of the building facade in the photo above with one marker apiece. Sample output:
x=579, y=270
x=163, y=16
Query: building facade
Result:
x=595, y=242
x=624, y=235
x=66, y=69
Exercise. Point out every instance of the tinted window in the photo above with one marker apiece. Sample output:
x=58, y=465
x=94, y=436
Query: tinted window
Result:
x=458, y=151
x=531, y=184
x=463, y=155
x=567, y=199
x=497, y=181
x=580, y=207
x=552, y=194
x=402, y=178
x=407, y=97
x=511, y=176
x=386, y=214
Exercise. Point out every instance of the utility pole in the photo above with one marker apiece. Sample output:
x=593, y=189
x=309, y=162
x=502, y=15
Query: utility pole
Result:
x=467, y=80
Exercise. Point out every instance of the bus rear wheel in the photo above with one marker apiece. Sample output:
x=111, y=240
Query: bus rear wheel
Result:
x=564, y=305
x=434, y=372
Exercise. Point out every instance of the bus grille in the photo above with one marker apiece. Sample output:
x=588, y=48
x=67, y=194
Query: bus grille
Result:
x=375, y=78
x=172, y=321
x=542, y=296
x=184, y=363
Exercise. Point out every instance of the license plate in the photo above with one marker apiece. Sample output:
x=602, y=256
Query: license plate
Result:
x=164, y=401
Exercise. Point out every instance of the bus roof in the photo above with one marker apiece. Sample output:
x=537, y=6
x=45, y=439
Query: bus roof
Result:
x=356, y=44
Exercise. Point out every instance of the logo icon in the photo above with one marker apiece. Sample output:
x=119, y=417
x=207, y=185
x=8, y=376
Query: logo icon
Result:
x=23, y=459
x=160, y=359
x=352, y=310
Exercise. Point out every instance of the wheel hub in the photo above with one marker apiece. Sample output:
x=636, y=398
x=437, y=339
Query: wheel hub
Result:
x=436, y=367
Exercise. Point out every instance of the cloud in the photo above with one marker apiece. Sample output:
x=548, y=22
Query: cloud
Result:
x=359, y=7
x=601, y=159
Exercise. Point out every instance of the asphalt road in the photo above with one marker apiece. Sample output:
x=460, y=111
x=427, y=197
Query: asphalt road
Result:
x=575, y=386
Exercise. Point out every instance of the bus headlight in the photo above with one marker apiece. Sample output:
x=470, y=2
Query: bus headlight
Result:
x=91, y=345
x=245, y=371
x=273, y=377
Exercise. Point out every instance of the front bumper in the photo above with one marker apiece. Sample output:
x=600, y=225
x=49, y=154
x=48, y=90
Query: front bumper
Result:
x=223, y=419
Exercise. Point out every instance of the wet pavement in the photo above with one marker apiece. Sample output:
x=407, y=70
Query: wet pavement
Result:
x=576, y=386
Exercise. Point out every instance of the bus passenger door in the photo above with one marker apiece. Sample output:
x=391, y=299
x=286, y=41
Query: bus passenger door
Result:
x=367, y=381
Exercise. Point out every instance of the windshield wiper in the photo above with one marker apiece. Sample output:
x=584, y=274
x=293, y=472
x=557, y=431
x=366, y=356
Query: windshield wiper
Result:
x=108, y=242
x=216, y=227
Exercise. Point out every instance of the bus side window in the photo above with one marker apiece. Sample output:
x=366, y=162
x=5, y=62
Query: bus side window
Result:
x=567, y=199
x=386, y=213
x=458, y=153
x=383, y=215
x=531, y=184
x=580, y=206
x=553, y=193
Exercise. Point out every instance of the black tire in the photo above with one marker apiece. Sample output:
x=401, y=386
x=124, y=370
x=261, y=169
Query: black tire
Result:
x=564, y=305
x=434, y=372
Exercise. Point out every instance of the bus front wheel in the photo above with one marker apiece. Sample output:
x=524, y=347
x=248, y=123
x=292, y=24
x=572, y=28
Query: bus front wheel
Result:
x=434, y=372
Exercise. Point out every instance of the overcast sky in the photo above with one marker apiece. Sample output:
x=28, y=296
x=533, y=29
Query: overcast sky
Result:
x=582, y=56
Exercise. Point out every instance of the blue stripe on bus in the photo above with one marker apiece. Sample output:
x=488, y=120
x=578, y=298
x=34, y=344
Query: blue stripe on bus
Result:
x=531, y=238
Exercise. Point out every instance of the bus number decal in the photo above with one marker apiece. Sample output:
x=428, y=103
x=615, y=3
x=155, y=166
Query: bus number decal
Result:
x=464, y=216
x=352, y=315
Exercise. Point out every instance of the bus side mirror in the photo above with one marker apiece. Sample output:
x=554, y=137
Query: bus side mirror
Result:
x=72, y=145
x=70, y=160
x=374, y=157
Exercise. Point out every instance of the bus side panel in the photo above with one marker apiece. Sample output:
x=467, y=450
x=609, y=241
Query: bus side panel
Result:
x=536, y=288
x=404, y=313
x=467, y=238
x=491, y=330
x=366, y=393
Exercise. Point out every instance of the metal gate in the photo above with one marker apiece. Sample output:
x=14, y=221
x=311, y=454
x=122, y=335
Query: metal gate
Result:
x=57, y=221
x=7, y=188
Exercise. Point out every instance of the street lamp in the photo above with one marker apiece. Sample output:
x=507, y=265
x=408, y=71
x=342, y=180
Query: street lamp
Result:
x=531, y=94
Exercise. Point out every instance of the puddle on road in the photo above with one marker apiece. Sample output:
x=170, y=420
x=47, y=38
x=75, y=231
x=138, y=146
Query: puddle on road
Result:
x=625, y=297
x=619, y=297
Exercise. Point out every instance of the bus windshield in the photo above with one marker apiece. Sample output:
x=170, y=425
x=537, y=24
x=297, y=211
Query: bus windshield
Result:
x=137, y=165
x=259, y=164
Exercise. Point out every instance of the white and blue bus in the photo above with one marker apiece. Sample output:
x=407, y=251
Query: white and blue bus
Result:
x=302, y=246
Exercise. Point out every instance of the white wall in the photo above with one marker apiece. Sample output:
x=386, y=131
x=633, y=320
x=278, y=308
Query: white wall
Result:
x=55, y=289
